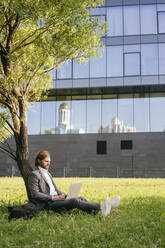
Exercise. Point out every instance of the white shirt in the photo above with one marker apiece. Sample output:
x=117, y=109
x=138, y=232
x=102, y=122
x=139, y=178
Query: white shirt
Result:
x=49, y=180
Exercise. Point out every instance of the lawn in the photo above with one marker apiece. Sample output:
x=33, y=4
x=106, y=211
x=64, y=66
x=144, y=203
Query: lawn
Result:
x=139, y=221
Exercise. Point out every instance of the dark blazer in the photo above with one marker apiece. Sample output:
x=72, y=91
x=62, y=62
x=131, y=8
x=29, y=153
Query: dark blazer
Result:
x=39, y=188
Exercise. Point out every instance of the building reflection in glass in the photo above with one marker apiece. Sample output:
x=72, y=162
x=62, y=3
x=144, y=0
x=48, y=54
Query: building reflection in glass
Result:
x=113, y=115
x=64, y=125
x=117, y=126
x=142, y=114
x=34, y=118
x=48, y=117
x=78, y=116
x=93, y=115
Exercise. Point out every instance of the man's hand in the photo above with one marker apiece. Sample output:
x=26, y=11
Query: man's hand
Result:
x=59, y=197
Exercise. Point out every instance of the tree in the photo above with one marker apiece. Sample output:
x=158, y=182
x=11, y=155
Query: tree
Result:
x=37, y=36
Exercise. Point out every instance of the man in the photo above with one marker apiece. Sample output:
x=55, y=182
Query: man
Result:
x=45, y=194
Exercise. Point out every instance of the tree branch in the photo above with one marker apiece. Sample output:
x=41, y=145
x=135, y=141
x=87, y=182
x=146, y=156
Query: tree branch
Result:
x=30, y=36
x=2, y=49
x=45, y=71
x=8, y=102
x=3, y=102
x=7, y=145
x=8, y=123
x=8, y=153
x=11, y=127
x=2, y=27
x=13, y=111
x=12, y=30
x=35, y=72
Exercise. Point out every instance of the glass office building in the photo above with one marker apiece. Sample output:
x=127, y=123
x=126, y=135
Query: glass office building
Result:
x=123, y=90
x=106, y=117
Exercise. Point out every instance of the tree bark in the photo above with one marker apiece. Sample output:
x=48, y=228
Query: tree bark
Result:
x=22, y=150
x=25, y=169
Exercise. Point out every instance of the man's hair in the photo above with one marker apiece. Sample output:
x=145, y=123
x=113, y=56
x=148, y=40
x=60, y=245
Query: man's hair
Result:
x=40, y=156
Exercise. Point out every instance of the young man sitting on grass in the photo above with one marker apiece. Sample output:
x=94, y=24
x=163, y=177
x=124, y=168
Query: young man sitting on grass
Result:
x=45, y=194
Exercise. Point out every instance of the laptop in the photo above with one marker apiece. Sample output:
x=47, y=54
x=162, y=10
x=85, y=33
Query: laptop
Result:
x=74, y=190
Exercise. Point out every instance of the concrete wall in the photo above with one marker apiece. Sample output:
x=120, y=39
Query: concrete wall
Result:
x=75, y=155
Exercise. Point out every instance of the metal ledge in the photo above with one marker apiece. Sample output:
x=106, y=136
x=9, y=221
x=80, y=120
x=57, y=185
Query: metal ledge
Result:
x=95, y=93
x=112, y=3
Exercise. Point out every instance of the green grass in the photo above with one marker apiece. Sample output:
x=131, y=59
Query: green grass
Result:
x=139, y=221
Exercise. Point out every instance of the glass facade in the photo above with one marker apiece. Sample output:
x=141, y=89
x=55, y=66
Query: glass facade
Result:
x=132, y=64
x=134, y=55
x=105, y=114
x=143, y=19
x=120, y=61
x=161, y=20
x=137, y=22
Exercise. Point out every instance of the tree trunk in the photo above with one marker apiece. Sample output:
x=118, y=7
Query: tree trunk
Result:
x=25, y=170
x=22, y=149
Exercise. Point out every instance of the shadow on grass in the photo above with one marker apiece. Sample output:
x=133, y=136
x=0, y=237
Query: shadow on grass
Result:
x=135, y=207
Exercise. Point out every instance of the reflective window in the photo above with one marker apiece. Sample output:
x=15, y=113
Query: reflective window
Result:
x=98, y=11
x=48, y=117
x=131, y=48
x=93, y=116
x=141, y=114
x=64, y=83
x=65, y=71
x=98, y=66
x=114, y=61
x=112, y=114
x=34, y=118
x=78, y=117
x=148, y=19
x=162, y=58
x=125, y=115
x=161, y=21
x=161, y=7
x=81, y=70
x=131, y=64
x=109, y=114
x=131, y=20
x=114, y=20
x=63, y=112
x=149, y=59
x=157, y=110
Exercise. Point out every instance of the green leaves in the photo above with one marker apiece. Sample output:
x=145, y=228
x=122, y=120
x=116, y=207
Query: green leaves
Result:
x=41, y=35
x=4, y=129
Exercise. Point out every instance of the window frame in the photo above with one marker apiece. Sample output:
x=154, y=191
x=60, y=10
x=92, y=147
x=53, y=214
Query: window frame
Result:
x=124, y=64
x=158, y=21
